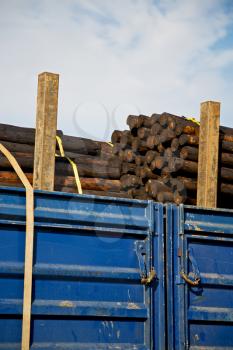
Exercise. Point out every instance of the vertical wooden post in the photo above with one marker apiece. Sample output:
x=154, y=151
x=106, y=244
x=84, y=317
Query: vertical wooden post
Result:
x=46, y=127
x=208, y=155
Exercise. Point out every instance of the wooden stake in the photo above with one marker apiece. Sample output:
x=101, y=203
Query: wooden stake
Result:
x=208, y=155
x=46, y=127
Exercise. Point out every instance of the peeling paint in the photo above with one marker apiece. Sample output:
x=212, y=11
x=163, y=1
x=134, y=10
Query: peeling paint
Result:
x=66, y=303
x=133, y=306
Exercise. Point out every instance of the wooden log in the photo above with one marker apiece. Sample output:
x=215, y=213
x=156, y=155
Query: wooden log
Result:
x=226, y=146
x=170, y=153
x=188, y=183
x=128, y=168
x=158, y=163
x=130, y=181
x=165, y=172
x=18, y=147
x=152, y=142
x=150, y=156
x=187, y=129
x=191, y=140
x=138, y=193
x=9, y=178
x=26, y=159
x=175, y=145
x=146, y=173
x=106, y=151
x=156, y=186
x=191, y=153
x=129, y=156
x=143, y=133
x=179, y=198
x=139, y=146
x=135, y=122
x=165, y=197
x=156, y=129
x=16, y=134
x=191, y=185
x=87, y=170
x=227, y=138
x=121, y=155
x=126, y=140
x=178, y=164
x=23, y=139
x=161, y=148
x=225, y=130
x=117, y=134
x=140, y=160
x=81, y=145
x=226, y=159
x=163, y=120
x=148, y=122
x=166, y=136
x=177, y=185
x=64, y=167
x=116, y=149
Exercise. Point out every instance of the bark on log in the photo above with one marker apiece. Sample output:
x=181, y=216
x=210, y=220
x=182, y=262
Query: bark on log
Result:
x=143, y=133
x=130, y=181
x=98, y=169
x=128, y=168
x=148, y=122
x=96, y=184
x=140, y=160
x=156, y=129
x=156, y=186
x=191, y=153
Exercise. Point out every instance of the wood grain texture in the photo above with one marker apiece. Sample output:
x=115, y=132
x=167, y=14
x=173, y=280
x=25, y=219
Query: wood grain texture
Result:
x=46, y=128
x=208, y=155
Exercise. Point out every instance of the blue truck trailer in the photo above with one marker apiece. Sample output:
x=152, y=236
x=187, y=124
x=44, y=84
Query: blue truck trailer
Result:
x=117, y=274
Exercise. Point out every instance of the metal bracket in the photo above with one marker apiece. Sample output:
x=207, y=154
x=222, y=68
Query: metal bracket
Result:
x=193, y=278
x=147, y=274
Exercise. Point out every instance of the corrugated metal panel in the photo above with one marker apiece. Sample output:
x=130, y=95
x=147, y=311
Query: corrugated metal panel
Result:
x=87, y=292
x=200, y=243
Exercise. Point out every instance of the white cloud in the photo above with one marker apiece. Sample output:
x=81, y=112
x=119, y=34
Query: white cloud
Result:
x=114, y=58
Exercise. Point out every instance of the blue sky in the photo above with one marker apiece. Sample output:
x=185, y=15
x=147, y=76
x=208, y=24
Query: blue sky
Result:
x=115, y=58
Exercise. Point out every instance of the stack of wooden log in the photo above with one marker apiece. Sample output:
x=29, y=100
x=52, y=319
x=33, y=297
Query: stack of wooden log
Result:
x=159, y=159
x=99, y=171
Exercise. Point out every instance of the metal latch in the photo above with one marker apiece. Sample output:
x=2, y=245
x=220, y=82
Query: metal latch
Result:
x=193, y=278
x=147, y=274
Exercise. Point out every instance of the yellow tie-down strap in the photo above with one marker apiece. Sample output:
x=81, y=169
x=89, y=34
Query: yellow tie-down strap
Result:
x=72, y=163
x=193, y=120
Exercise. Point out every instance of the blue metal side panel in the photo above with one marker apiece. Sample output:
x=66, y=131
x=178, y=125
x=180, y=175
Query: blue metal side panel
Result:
x=200, y=241
x=87, y=292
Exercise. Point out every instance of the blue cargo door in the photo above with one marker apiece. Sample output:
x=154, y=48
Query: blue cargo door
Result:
x=91, y=256
x=199, y=278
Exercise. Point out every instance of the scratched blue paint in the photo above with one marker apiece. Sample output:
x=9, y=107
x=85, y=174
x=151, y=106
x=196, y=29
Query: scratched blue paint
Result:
x=87, y=291
x=199, y=317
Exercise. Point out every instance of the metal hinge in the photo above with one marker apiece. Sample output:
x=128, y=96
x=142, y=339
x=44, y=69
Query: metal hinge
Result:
x=147, y=274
